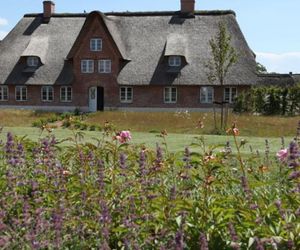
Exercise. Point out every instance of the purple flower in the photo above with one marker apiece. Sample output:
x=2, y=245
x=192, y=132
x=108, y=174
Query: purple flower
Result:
x=203, y=242
x=179, y=240
x=294, y=175
x=232, y=232
x=258, y=244
x=282, y=155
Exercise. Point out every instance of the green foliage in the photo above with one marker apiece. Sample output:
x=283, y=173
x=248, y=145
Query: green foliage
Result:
x=260, y=68
x=271, y=100
x=117, y=195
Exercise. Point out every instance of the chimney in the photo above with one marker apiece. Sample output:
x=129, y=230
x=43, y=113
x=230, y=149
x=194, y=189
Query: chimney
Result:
x=49, y=9
x=187, y=7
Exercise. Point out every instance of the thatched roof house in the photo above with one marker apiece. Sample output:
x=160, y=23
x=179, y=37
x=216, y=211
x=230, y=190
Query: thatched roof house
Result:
x=124, y=60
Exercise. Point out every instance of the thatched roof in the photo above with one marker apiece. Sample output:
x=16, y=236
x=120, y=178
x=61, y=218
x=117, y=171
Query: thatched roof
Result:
x=274, y=79
x=144, y=40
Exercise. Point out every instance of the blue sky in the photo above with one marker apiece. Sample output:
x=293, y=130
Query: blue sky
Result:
x=271, y=27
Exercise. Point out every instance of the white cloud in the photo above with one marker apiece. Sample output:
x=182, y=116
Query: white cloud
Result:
x=280, y=63
x=2, y=34
x=3, y=21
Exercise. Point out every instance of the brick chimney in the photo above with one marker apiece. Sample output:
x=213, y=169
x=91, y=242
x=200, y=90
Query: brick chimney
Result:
x=49, y=9
x=187, y=7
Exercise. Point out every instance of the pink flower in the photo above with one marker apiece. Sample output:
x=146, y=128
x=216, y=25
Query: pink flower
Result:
x=123, y=136
x=282, y=154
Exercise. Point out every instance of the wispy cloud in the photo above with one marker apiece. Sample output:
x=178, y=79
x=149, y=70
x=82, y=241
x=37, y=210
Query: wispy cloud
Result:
x=2, y=34
x=280, y=63
x=3, y=21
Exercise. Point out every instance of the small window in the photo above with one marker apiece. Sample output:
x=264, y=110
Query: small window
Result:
x=206, y=94
x=230, y=94
x=66, y=94
x=21, y=93
x=47, y=94
x=3, y=93
x=32, y=61
x=126, y=94
x=104, y=66
x=87, y=66
x=174, y=61
x=96, y=44
x=170, y=95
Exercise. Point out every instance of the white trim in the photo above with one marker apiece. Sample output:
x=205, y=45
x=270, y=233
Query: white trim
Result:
x=47, y=89
x=93, y=44
x=66, y=94
x=32, y=61
x=104, y=66
x=21, y=92
x=89, y=68
x=170, y=95
x=206, y=101
x=126, y=100
x=174, y=61
x=2, y=94
x=230, y=94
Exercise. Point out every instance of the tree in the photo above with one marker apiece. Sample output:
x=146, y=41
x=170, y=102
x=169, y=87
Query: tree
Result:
x=261, y=69
x=223, y=56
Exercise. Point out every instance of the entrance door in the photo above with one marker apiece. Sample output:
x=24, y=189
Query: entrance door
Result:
x=96, y=99
x=93, y=99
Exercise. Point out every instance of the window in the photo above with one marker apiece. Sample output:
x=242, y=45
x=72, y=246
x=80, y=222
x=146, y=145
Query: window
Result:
x=21, y=93
x=96, y=44
x=47, y=94
x=174, y=61
x=66, y=94
x=87, y=66
x=104, y=66
x=170, y=95
x=3, y=93
x=206, y=94
x=32, y=61
x=126, y=94
x=230, y=94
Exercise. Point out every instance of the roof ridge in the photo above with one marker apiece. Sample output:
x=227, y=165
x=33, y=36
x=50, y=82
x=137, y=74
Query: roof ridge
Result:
x=141, y=13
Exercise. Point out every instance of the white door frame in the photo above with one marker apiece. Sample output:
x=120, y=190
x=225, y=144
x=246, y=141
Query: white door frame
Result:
x=93, y=99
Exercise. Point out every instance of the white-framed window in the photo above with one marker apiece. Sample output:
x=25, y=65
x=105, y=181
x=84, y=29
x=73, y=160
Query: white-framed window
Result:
x=174, y=61
x=229, y=94
x=206, y=94
x=21, y=93
x=96, y=44
x=87, y=66
x=126, y=94
x=104, y=66
x=66, y=94
x=47, y=94
x=32, y=61
x=170, y=95
x=3, y=93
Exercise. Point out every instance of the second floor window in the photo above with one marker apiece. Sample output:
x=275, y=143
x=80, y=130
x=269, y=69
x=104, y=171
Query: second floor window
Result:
x=170, y=95
x=96, y=44
x=47, y=94
x=230, y=94
x=174, y=61
x=206, y=94
x=87, y=66
x=104, y=66
x=21, y=93
x=32, y=61
x=3, y=93
x=126, y=94
x=66, y=94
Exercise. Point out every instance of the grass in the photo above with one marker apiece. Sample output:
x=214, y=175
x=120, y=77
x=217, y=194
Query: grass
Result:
x=175, y=142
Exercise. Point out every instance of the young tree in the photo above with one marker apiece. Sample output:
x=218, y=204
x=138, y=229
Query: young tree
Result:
x=223, y=56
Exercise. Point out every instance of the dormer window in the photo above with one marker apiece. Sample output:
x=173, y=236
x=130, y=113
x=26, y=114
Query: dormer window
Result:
x=174, y=61
x=32, y=61
x=96, y=44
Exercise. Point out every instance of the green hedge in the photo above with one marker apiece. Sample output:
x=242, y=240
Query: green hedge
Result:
x=271, y=100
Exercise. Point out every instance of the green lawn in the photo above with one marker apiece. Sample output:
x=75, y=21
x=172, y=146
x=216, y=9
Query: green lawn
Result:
x=175, y=142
